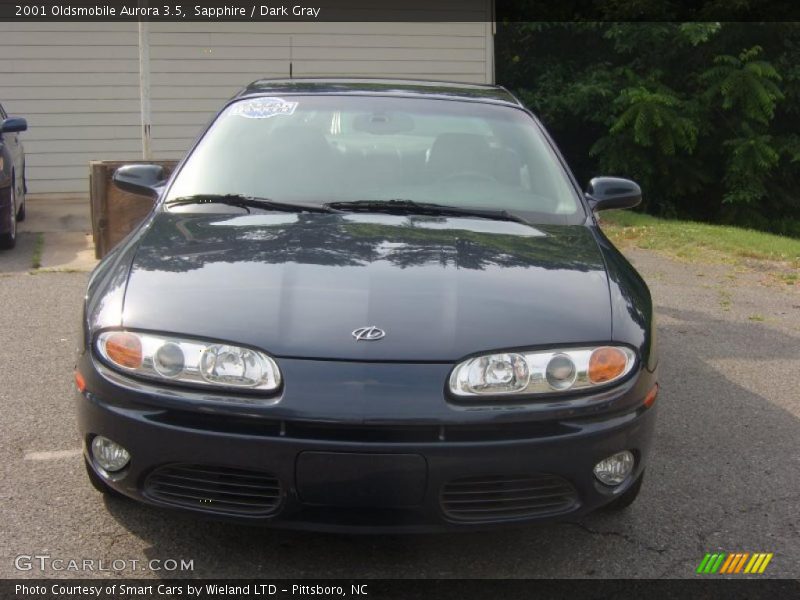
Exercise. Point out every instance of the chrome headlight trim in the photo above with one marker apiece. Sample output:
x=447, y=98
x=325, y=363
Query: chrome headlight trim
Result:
x=260, y=372
x=461, y=385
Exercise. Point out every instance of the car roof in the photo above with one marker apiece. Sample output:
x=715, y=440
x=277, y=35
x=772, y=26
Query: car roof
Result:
x=447, y=90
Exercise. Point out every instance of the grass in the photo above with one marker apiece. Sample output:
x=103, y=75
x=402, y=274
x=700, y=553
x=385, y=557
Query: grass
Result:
x=38, y=248
x=693, y=241
x=725, y=299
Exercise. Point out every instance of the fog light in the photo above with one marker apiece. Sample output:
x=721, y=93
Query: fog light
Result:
x=614, y=469
x=109, y=455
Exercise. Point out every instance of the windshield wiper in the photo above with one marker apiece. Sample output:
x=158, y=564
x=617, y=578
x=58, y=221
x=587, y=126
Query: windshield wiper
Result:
x=249, y=201
x=401, y=206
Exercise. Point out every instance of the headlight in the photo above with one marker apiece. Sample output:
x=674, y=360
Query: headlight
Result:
x=541, y=372
x=193, y=362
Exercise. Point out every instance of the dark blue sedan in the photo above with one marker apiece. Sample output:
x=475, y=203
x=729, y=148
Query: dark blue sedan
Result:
x=12, y=178
x=370, y=305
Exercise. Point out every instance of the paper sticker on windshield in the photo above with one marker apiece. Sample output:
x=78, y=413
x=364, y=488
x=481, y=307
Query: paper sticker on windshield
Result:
x=263, y=108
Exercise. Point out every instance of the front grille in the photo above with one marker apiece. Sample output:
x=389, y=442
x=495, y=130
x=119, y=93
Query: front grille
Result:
x=493, y=498
x=215, y=489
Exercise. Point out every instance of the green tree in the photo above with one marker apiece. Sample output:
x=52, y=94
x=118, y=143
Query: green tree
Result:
x=706, y=116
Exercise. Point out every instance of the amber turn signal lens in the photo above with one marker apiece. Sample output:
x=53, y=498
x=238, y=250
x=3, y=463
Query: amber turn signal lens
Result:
x=80, y=382
x=650, y=399
x=606, y=364
x=124, y=349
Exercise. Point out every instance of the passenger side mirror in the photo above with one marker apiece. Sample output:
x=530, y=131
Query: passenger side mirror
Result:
x=144, y=180
x=14, y=125
x=605, y=193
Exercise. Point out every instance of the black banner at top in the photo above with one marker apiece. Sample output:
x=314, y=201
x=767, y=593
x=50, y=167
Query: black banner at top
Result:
x=399, y=10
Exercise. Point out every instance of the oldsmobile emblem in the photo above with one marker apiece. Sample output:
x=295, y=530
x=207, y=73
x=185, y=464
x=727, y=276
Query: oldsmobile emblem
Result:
x=368, y=334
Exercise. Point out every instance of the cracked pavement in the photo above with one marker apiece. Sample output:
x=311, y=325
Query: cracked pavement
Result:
x=724, y=474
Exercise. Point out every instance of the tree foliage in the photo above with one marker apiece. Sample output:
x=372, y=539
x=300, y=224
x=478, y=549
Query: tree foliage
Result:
x=706, y=115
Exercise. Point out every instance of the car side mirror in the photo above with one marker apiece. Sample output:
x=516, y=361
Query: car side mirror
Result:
x=144, y=180
x=605, y=193
x=13, y=125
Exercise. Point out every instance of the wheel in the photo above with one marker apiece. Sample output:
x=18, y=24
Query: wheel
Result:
x=627, y=497
x=98, y=483
x=9, y=239
x=21, y=211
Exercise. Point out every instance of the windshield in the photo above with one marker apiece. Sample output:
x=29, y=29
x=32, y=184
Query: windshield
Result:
x=325, y=148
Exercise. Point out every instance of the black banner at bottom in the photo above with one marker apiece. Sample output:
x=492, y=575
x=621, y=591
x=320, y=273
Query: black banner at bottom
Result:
x=390, y=589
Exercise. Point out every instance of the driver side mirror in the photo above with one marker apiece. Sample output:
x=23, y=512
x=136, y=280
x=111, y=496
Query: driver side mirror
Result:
x=605, y=193
x=144, y=180
x=13, y=125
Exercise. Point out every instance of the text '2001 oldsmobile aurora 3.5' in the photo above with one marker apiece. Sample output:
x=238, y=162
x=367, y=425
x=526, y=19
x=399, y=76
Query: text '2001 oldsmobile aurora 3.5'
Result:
x=370, y=305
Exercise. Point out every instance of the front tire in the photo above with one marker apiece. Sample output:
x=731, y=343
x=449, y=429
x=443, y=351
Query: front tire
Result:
x=21, y=211
x=9, y=239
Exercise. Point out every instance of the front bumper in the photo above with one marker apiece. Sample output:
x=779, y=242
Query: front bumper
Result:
x=374, y=472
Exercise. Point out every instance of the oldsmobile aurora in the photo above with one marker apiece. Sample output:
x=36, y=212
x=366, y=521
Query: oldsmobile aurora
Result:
x=369, y=305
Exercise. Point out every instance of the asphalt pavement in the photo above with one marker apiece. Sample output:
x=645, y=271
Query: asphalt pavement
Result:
x=724, y=475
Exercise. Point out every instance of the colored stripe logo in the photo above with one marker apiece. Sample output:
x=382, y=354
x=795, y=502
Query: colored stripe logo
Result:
x=723, y=563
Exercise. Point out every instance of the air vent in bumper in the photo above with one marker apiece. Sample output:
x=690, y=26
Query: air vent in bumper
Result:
x=494, y=498
x=215, y=489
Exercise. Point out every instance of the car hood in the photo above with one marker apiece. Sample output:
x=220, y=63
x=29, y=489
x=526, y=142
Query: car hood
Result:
x=298, y=285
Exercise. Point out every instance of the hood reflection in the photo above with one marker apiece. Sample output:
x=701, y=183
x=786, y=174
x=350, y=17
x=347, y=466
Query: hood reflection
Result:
x=181, y=242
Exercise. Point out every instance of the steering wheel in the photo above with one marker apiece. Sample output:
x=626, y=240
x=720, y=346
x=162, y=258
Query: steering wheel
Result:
x=469, y=176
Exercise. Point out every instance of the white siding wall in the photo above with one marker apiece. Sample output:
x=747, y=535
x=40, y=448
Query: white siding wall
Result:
x=78, y=86
x=78, y=83
x=196, y=66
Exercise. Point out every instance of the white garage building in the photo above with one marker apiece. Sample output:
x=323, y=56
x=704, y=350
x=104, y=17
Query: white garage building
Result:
x=80, y=88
